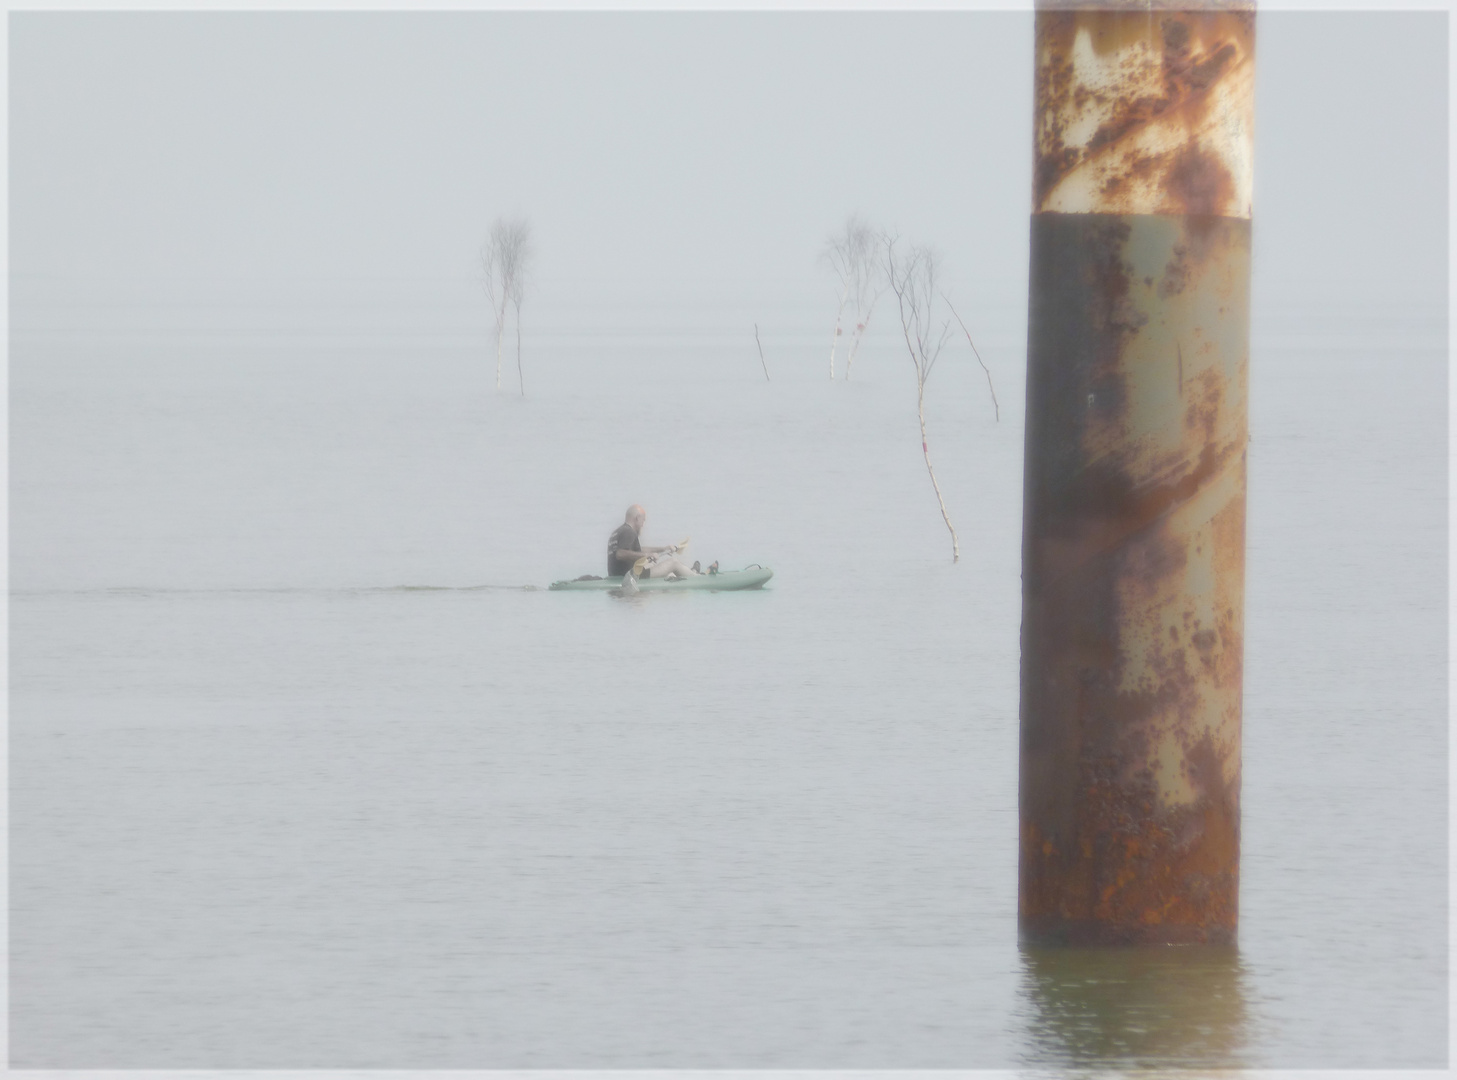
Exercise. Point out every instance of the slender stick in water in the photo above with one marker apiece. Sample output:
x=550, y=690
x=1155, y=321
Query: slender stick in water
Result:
x=520, y=377
x=761, y=352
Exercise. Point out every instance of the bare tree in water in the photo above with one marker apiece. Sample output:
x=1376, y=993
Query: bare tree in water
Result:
x=853, y=254
x=505, y=260
x=869, y=283
x=495, y=292
x=913, y=277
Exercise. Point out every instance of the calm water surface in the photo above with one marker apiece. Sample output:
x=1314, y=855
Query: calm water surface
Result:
x=291, y=787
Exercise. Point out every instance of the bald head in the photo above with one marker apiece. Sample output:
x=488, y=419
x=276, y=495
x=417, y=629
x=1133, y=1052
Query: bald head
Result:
x=635, y=517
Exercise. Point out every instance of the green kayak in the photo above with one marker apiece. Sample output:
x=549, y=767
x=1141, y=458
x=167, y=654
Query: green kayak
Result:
x=723, y=581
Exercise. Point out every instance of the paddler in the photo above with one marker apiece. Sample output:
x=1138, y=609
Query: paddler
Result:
x=624, y=548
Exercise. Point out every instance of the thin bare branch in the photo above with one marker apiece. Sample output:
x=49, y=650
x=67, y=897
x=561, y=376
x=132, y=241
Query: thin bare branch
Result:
x=996, y=407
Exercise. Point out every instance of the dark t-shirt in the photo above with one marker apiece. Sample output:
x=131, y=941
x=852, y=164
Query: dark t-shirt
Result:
x=624, y=539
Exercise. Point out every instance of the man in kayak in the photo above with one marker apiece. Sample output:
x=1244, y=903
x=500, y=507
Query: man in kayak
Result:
x=624, y=548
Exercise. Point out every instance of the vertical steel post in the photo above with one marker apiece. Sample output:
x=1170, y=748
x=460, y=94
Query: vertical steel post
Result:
x=1134, y=497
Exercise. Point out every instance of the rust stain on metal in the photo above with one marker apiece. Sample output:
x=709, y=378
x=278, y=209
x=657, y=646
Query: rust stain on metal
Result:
x=1133, y=569
x=1134, y=502
x=1144, y=111
x=1199, y=181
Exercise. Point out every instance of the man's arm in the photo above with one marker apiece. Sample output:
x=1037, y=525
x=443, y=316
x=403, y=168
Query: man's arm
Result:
x=629, y=556
x=644, y=549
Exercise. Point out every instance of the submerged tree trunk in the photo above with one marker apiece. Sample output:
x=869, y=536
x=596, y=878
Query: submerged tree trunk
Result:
x=500, y=333
x=926, y=453
x=520, y=378
x=855, y=342
x=835, y=341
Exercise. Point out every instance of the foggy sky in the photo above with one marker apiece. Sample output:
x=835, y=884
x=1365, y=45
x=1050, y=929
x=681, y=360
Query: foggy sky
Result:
x=658, y=155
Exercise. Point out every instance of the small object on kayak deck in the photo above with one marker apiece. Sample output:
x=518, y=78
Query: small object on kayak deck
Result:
x=713, y=567
x=720, y=581
x=696, y=568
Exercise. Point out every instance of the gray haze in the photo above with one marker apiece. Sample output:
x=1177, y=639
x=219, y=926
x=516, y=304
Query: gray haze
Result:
x=303, y=772
x=310, y=172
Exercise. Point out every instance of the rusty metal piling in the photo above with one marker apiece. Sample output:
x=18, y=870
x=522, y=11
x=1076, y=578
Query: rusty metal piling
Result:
x=1134, y=496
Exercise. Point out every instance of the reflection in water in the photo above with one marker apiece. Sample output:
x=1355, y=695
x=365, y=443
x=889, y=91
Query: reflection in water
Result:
x=1165, y=1006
